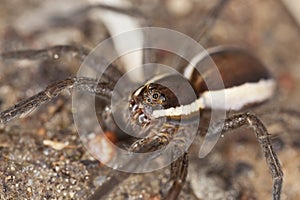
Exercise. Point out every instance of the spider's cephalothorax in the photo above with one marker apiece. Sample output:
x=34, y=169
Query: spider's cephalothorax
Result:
x=148, y=98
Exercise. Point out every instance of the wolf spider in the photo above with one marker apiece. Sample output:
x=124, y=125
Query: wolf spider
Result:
x=152, y=98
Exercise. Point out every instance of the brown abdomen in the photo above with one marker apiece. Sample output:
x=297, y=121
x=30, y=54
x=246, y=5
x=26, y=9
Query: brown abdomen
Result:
x=236, y=66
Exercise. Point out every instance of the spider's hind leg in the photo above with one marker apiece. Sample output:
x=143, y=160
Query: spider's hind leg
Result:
x=263, y=137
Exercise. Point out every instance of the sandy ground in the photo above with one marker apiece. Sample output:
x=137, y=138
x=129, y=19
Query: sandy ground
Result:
x=42, y=157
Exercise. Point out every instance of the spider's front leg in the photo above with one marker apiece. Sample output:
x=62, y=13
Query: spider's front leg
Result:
x=179, y=167
x=263, y=137
x=156, y=141
x=23, y=108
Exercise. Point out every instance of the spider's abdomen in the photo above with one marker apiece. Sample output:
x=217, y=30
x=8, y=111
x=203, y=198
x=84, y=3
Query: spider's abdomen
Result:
x=246, y=80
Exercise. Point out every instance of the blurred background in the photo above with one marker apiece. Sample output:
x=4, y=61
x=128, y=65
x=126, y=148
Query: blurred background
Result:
x=41, y=157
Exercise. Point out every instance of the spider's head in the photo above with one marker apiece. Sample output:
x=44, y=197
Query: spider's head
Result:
x=148, y=98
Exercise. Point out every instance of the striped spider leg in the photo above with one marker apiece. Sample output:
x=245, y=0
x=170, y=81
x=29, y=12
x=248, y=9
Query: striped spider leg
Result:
x=247, y=82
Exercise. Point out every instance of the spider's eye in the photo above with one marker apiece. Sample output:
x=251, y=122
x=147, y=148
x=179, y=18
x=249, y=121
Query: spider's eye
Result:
x=155, y=96
x=162, y=98
x=148, y=100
